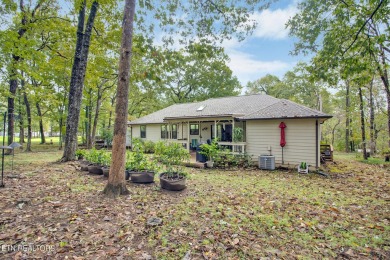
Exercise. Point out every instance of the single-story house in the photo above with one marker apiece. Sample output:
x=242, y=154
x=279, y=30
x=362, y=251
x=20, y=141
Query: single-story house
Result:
x=259, y=116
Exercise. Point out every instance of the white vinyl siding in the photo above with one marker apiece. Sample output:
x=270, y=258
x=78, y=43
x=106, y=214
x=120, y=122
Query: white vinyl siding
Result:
x=300, y=140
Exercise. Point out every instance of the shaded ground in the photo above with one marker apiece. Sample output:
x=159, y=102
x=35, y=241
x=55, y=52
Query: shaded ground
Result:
x=221, y=215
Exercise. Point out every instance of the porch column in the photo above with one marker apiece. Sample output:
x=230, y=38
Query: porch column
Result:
x=188, y=136
x=234, y=146
x=200, y=131
x=215, y=129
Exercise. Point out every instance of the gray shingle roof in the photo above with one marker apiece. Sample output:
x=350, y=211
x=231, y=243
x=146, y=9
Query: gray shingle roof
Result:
x=285, y=109
x=243, y=107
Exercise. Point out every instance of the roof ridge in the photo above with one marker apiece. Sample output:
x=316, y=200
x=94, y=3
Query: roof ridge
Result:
x=304, y=107
x=278, y=101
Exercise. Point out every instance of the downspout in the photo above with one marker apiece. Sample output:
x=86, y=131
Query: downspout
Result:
x=316, y=144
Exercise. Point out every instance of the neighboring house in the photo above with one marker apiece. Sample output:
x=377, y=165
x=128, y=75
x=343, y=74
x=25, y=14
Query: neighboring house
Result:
x=258, y=115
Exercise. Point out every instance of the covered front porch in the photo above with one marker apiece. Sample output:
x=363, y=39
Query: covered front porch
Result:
x=192, y=132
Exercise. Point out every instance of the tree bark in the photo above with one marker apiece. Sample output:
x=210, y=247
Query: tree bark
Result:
x=116, y=181
x=363, y=125
x=110, y=115
x=21, y=122
x=372, y=120
x=41, y=130
x=347, y=117
x=96, y=117
x=28, y=112
x=77, y=80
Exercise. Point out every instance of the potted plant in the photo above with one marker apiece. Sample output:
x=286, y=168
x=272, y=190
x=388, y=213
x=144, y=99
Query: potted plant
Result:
x=210, y=151
x=174, y=178
x=386, y=154
x=94, y=158
x=80, y=154
x=105, y=160
x=142, y=170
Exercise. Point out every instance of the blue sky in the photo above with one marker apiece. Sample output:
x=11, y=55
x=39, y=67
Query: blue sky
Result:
x=267, y=50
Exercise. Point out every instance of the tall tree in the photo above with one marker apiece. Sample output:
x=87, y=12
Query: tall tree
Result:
x=196, y=73
x=77, y=78
x=343, y=32
x=116, y=183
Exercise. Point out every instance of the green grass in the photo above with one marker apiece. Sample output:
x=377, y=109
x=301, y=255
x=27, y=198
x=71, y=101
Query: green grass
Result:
x=377, y=160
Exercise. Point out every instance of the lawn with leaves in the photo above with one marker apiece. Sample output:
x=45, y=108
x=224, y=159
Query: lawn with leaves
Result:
x=243, y=214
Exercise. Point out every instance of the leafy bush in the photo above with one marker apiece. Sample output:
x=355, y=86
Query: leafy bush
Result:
x=173, y=157
x=107, y=136
x=137, y=161
x=386, y=152
x=80, y=153
x=148, y=147
x=159, y=150
x=238, y=134
x=225, y=159
x=210, y=150
x=105, y=158
x=92, y=156
x=100, y=157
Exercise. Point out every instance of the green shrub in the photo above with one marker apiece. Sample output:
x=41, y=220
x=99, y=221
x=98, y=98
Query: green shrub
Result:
x=137, y=161
x=210, y=150
x=159, y=150
x=80, y=154
x=148, y=146
x=173, y=157
x=107, y=136
x=225, y=159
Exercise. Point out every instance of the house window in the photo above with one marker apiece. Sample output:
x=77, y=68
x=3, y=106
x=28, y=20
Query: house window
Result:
x=164, y=131
x=143, y=131
x=194, y=129
x=174, y=131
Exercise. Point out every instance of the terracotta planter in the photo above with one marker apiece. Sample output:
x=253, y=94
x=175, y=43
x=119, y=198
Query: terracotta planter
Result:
x=177, y=183
x=95, y=169
x=142, y=177
x=106, y=171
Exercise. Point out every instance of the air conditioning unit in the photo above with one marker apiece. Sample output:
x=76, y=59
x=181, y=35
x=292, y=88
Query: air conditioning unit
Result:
x=267, y=162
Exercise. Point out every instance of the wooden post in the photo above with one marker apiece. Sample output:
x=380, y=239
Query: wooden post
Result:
x=188, y=135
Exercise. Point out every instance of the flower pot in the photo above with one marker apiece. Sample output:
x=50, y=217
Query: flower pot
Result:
x=142, y=177
x=84, y=165
x=210, y=164
x=127, y=174
x=95, y=169
x=106, y=171
x=175, y=183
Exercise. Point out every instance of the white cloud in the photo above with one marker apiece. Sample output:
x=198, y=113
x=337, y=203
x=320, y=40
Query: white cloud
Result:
x=272, y=23
x=247, y=68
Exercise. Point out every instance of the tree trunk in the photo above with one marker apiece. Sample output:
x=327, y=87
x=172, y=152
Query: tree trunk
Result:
x=89, y=123
x=41, y=130
x=13, y=85
x=116, y=181
x=347, y=115
x=372, y=121
x=95, y=120
x=363, y=125
x=21, y=122
x=77, y=80
x=334, y=130
x=28, y=112
x=110, y=115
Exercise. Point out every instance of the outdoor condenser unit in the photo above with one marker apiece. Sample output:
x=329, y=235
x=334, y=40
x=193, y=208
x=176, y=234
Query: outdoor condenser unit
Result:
x=267, y=162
